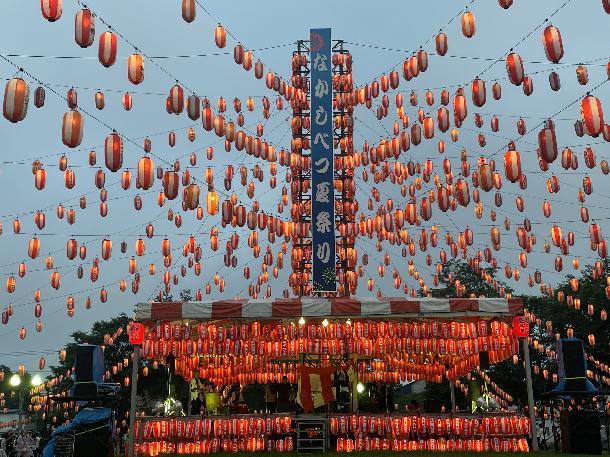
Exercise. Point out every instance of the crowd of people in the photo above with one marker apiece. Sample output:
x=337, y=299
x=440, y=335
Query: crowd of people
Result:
x=19, y=444
x=238, y=399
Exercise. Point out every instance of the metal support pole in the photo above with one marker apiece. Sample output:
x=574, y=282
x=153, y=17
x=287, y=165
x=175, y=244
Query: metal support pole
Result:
x=530, y=393
x=132, y=404
x=452, y=391
x=20, y=427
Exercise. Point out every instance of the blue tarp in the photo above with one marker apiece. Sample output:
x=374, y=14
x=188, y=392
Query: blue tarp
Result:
x=85, y=416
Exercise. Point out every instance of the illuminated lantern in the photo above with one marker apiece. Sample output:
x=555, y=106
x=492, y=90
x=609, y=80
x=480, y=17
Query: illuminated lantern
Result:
x=478, y=92
x=171, y=184
x=443, y=119
x=553, y=45
x=546, y=209
x=72, y=99
x=176, y=99
x=558, y=263
x=258, y=69
x=581, y=75
x=40, y=178
x=207, y=119
x=39, y=219
x=188, y=10
x=34, y=248
x=514, y=68
x=39, y=97
x=548, y=145
x=506, y=4
x=193, y=107
x=528, y=86
x=422, y=63
x=146, y=173
x=71, y=248
x=135, y=68
x=72, y=129
x=140, y=247
x=468, y=24
x=486, y=177
x=212, y=203
x=587, y=185
x=10, y=284
x=592, y=115
x=16, y=99
x=113, y=152
x=55, y=280
x=595, y=233
x=99, y=100
x=589, y=157
x=51, y=9
x=107, y=49
x=126, y=179
x=220, y=36
x=512, y=165
x=425, y=209
x=459, y=107
x=554, y=81
x=428, y=128
x=69, y=178
x=127, y=101
x=22, y=333
x=219, y=125
x=556, y=236
x=441, y=44
x=191, y=196
x=106, y=249
x=84, y=28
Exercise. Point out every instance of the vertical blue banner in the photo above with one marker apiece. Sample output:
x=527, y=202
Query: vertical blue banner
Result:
x=322, y=163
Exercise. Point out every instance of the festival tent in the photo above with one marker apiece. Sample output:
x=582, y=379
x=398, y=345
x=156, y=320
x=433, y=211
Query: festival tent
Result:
x=394, y=308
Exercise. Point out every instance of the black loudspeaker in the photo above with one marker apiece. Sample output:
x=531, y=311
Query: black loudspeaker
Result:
x=484, y=360
x=580, y=432
x=83, y=366
x=84, y=386
x=572, y=365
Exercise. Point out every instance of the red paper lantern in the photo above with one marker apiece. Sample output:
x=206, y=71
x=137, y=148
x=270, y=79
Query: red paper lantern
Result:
x=136, y=333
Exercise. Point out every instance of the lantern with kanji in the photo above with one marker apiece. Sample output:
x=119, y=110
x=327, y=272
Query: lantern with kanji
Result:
x=136, y=333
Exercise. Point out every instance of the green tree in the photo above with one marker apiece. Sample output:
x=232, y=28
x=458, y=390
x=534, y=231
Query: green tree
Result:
x=472, y=280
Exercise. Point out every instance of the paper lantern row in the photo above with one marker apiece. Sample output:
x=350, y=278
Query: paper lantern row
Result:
x=359, y=329
x=428, y=425
x=432, y=444
x=197, y=428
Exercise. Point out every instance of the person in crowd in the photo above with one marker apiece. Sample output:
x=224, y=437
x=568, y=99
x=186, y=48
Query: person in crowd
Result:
x=21, y=446
x=196, y=388
x=389, y=397
x=284, y=390
x=342, y=392
x=380, y=396
x=254, y=396
x=413, y=407
x=270, y=397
